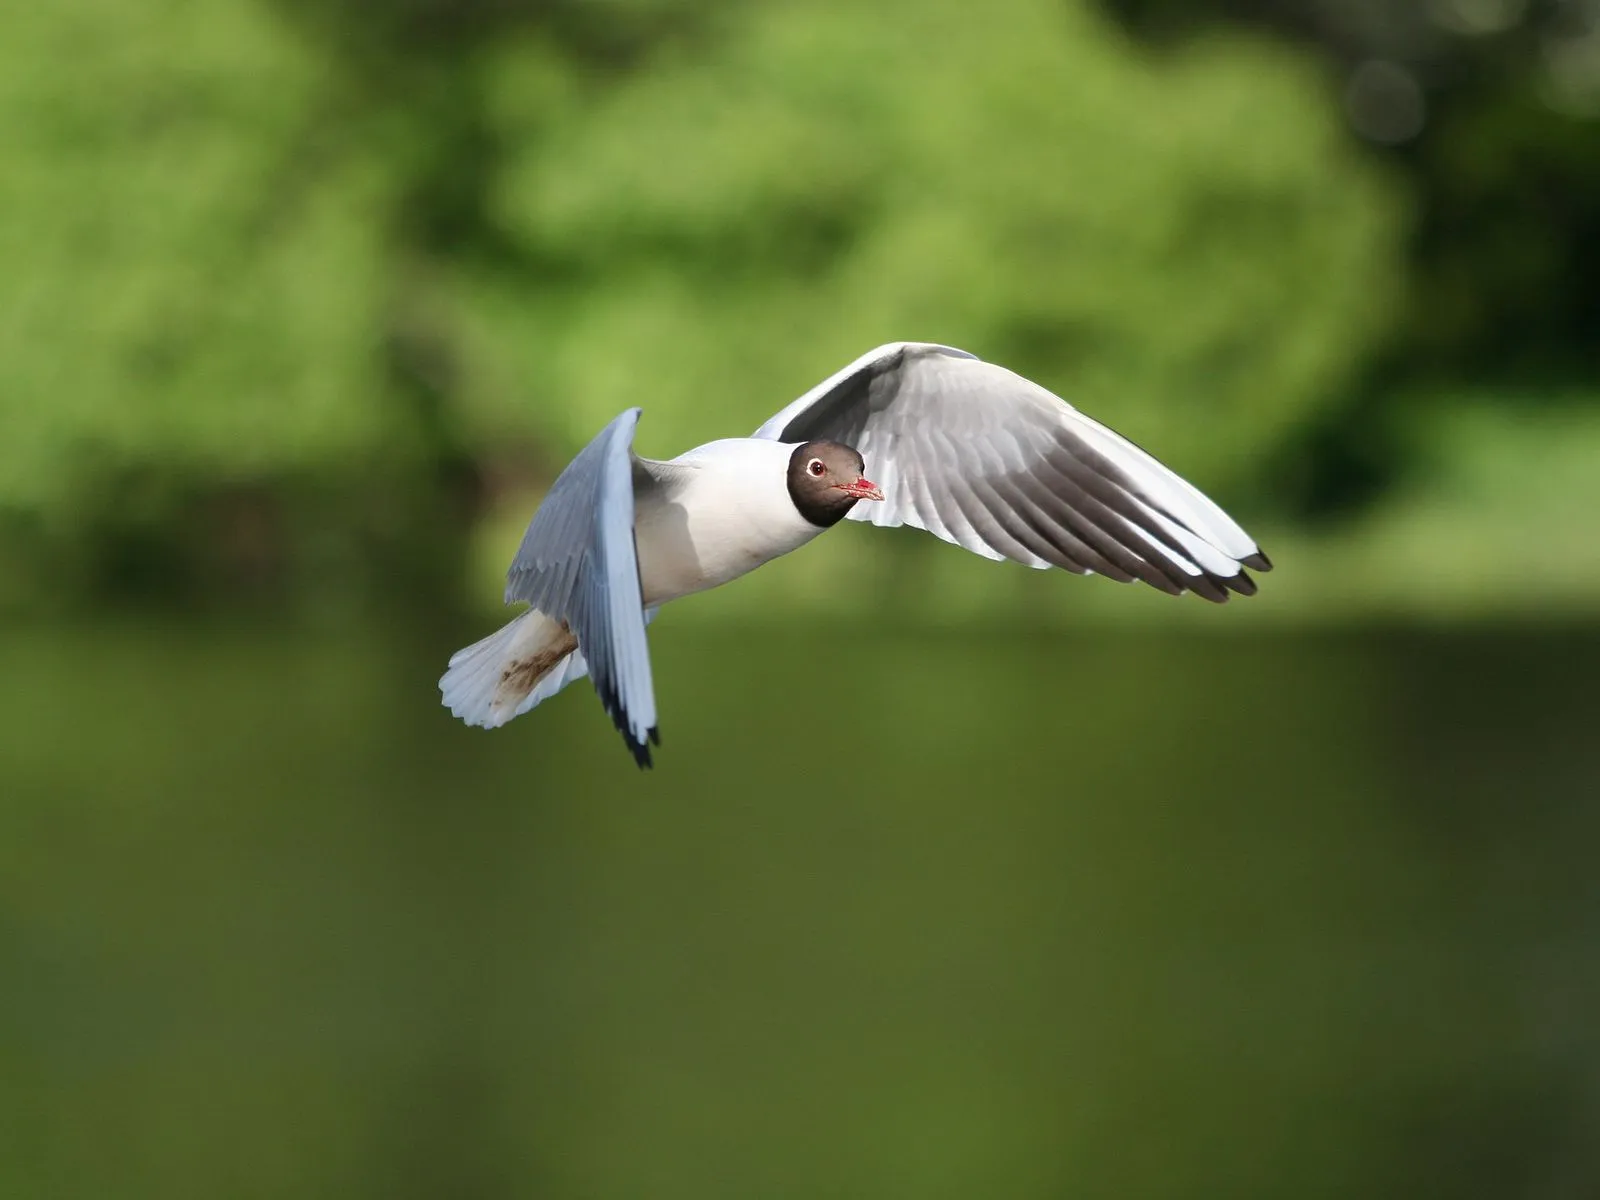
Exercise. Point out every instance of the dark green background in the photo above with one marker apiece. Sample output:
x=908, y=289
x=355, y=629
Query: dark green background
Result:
x=901, y=913
x=954, y=879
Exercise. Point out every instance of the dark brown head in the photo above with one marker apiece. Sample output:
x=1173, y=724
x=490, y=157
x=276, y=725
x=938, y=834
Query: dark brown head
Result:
x=825, y=481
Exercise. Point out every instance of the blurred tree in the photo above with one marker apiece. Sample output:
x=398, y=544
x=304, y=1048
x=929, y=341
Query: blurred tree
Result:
x=1191, y=252
x=291, y=279
x=1489, y=112
x=220, y=229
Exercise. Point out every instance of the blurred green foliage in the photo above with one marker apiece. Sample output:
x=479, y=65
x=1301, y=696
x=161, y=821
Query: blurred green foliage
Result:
x=299, y=292
x=1496, y=146
x=829, y=177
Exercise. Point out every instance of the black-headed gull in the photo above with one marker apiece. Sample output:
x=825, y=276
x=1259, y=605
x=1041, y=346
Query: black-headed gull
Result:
x=960, y=447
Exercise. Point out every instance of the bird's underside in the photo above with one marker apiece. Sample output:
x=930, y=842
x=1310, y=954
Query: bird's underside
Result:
x=521, y=675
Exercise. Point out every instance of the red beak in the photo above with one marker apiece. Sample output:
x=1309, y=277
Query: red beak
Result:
x=863, y=489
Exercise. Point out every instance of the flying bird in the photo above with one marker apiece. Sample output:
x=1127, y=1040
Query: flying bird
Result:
x=911, y=433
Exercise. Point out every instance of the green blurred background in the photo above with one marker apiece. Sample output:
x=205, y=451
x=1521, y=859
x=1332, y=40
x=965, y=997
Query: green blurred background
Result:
x=1079, y=890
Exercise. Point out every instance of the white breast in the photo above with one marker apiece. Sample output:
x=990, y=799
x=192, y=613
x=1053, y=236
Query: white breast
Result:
x=724, y=513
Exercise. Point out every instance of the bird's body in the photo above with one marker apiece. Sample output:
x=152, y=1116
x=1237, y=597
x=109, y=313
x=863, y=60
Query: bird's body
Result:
x=711, y=515
x=969, y=451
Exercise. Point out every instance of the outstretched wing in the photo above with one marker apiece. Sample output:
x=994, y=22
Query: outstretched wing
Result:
x=577, y=564
x=992, y=462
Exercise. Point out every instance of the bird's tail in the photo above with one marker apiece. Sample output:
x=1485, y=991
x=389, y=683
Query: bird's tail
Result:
x=498, y=678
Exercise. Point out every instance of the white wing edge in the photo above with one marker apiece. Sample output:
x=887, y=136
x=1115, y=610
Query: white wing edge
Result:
x=774, y=426
x=616, y=577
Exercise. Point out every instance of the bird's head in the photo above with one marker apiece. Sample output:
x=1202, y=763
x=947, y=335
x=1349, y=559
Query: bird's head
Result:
x=826, y=479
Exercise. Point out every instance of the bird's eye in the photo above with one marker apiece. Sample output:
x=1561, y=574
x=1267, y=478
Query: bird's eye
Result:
x=816, y=467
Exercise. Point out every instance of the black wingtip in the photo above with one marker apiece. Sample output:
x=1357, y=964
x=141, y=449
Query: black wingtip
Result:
x=1257, y=561
x=638, y=747
x=1241, y=583
x=1208, y=587
x=641, y=750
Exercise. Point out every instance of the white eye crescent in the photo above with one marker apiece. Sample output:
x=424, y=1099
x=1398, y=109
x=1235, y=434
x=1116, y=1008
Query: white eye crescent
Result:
x=817, y=468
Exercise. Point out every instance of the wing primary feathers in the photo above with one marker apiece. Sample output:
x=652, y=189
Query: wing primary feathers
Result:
x=578, y=563
x=1090, y=473
x=1094, y=499
x=986, y=459
x=1045, y=524
x=987, y=524
x=1088, y=521
x=1056, y=542
x=1241, y=583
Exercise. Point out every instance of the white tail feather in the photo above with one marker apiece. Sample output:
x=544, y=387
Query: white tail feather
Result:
x=500, y=677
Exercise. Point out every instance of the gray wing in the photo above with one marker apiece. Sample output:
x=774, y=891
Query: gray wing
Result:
x=577, y=563
x=992, y=462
